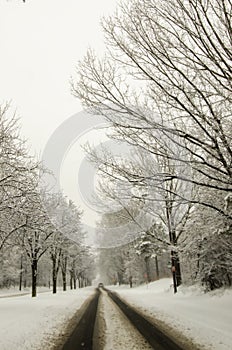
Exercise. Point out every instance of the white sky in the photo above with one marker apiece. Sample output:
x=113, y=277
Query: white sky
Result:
x=41, y=43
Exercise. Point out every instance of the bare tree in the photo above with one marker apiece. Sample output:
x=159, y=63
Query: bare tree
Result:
x=35, y=237
x=143, y=201
x=66, y=221
x=180, y=54
x=16, y=172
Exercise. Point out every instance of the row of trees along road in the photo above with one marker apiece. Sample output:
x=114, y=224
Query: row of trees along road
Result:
x=164, y=86
x=35, y=225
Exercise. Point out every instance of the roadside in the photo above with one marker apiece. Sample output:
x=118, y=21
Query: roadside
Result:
x=14, y=292
x=190, y=315
x=203, y=319
x=36, y=323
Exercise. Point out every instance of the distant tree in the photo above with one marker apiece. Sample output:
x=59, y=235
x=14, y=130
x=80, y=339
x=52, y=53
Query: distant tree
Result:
x=66, y=220
x=142, y=200
x=147, y=246
x=111, y=265
x=206, y=253
x=64, y=256
x=9, y=267
x=35, y=237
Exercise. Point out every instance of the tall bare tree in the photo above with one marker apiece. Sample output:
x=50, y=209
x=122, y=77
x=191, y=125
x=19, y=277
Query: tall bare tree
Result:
x=17, y=171
x=179, y=54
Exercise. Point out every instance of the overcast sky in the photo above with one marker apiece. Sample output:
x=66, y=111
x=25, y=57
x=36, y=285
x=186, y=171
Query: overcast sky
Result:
x=41, y=43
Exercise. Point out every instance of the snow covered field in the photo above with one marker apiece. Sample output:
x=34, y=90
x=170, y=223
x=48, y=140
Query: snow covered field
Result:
x=206, y=318
x=34, y=323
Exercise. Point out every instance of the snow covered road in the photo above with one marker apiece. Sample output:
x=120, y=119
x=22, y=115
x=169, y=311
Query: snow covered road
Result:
x=119, y=333
x=206, y=319
x=36, y=323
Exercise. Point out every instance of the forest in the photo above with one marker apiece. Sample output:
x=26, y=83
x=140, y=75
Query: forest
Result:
x=163, y=85
x=40, y=231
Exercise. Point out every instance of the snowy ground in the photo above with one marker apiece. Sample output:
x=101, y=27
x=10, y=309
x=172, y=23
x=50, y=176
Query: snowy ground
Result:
x=206, y=318
x=35, y=323
x=119, y=334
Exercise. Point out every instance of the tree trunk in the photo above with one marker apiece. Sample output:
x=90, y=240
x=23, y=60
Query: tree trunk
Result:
x=25, y=282
x=229, y=280
x=87, y=282
x=54, y=276
x=25, y=276
x=34, y=276
x=71, y=280
x=54, y=281
x=157, y=267
x=178, y=271
x=64, y=280
x=21, y=273
x=120, y=278
x=64, y=272
x=173, y=272
x=147, y=264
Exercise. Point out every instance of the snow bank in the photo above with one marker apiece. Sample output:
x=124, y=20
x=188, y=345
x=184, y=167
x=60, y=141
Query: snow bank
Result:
x=206, y=318
x=34, y=323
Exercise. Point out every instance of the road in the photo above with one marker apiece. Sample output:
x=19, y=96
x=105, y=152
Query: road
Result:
x=109, y=323
x=82, y=335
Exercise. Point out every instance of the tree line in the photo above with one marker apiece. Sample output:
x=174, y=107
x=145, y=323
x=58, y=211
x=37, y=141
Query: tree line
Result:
x=40, y=231
x=164, y=87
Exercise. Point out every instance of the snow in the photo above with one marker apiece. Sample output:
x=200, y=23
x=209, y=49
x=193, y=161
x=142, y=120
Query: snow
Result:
x=35, y=323
x=7, y=292
x=119, y=333
x=204, y=318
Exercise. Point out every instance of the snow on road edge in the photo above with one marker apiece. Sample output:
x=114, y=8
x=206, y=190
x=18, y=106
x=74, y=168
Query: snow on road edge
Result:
x=205, y=318
x=35, y=323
